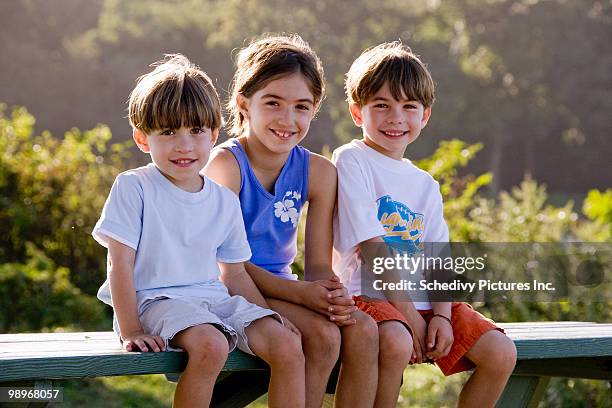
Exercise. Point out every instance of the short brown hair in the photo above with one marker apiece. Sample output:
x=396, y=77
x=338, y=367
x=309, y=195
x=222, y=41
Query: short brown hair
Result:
x=175, y=94
x=392, y=63
x=267, y=59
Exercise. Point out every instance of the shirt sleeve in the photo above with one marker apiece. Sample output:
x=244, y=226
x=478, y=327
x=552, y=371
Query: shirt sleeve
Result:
x=235, y=248
x=121, y=217
x=357, y=219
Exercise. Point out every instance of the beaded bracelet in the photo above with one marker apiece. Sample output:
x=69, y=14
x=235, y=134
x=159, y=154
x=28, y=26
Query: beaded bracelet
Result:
x=444, y=317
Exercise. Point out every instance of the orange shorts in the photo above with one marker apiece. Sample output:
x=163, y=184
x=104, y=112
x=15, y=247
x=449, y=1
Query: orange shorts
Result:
x=468, y=326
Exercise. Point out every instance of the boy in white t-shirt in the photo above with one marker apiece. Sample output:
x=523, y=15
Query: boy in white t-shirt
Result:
x=385, y=199
x=173, y=235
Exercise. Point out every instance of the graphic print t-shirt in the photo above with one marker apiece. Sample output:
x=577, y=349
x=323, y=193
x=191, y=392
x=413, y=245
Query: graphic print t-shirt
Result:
x=382, y=197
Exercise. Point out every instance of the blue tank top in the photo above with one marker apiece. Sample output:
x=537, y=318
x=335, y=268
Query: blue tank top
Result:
x=271, y=219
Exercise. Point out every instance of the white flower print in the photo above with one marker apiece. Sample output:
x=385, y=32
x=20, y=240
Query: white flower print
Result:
x=285, y=209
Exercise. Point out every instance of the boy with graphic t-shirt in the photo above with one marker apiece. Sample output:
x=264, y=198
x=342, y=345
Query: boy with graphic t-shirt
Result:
x=383, y=198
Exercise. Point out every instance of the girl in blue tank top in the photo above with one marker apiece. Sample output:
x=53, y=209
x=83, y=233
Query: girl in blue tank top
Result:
x=277, y=89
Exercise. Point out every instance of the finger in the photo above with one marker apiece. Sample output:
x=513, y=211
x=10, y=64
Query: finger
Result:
x=341, y=301
x=331, y=285
x=127, y=346
x=339, y=318
x=348, y=322
x=342, y=311
x=141, y=345
x=432, y=332
x=160, y=343
x=335, y=278
x=152, y=343
x=417, y=351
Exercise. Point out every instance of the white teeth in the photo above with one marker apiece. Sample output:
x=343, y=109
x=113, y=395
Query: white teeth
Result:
x=393, y=133
x=284, y=135
x=183, y=161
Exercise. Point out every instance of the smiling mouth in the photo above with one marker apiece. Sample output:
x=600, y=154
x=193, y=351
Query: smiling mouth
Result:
x=184, y=162
x=283, y=134
x=394, y=133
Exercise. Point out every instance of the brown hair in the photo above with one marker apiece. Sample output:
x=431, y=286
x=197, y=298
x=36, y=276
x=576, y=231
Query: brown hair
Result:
x=267, y=59
x=175, y=94
x=392, y=63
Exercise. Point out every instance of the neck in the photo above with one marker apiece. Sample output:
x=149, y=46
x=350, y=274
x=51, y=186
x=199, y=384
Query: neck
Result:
x=261, y=157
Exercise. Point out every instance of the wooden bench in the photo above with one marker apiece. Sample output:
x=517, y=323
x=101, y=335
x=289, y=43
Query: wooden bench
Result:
x=563, y=349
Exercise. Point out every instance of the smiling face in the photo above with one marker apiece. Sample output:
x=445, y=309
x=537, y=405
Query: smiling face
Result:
x=390, y=125
x=179, y=154
x=278, y=115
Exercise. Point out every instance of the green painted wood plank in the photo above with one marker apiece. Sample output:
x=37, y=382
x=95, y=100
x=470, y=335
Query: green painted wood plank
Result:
x=108, y=365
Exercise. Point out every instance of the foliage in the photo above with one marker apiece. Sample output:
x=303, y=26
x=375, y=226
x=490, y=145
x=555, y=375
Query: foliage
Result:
x=52, y=191
x=38, y=295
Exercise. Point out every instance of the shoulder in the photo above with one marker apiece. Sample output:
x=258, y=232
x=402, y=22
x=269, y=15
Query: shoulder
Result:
x=321, y=168
x=426, y=178
x=133, y=179
x=223, y=168
x=323, y=177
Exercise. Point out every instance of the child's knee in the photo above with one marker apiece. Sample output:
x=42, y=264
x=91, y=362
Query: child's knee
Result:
x=367, y=329
x=501, y=357
x=322, y=339
x=286, y=349
x=395, y=345
x=205, y=345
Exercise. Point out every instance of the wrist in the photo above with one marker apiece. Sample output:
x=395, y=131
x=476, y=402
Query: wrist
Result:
x=441, y=316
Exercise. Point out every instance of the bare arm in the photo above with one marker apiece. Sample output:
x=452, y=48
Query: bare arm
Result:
x=238, y=282
x=123, y=295
x=322, y=190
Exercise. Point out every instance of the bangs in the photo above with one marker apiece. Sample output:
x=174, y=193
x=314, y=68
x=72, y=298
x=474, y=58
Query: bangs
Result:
x=180, y=103
x=406, y=81
x=173, y=95
x=393, y=64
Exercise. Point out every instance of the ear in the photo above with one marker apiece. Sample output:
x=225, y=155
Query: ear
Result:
x=214, y=137
x=243, y=105
x=356, y=114
x=426, y=116
x=141, y=140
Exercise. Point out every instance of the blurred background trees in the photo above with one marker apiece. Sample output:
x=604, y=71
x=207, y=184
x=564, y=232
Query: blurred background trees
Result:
x=519, y=139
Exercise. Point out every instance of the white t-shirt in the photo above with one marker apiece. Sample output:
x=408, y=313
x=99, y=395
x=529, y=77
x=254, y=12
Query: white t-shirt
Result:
x=381, y=197
x=178, y=236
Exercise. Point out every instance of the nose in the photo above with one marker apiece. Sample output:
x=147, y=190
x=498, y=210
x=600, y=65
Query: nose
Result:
x=286, y=118
x=183, y=142
x=396, y=116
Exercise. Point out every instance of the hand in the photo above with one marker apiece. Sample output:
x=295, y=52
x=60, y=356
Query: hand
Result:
x=419, y=332
x=439, y=338
x=287, y=323
x=342, y=306
x=143, y=342
x=320, y=295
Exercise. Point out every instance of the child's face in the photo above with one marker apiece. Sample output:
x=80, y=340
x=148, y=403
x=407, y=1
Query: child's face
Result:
x=279, y=114
x=389, y=125
x=179, y=154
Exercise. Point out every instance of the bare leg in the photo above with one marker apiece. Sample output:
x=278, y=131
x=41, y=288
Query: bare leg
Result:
x=207, y=349
x=320, y=343
x=395, y=351
x=495, y=356
x=359, y=354
x=282, y=350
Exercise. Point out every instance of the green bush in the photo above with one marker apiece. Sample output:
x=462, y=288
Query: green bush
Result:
x=52, y=191
x=38, y=295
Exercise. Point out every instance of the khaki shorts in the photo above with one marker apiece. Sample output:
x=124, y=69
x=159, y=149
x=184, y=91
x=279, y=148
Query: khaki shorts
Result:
x=165, y=317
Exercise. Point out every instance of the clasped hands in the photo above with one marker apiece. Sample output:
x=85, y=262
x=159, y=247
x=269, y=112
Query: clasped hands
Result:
x=331, y=298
